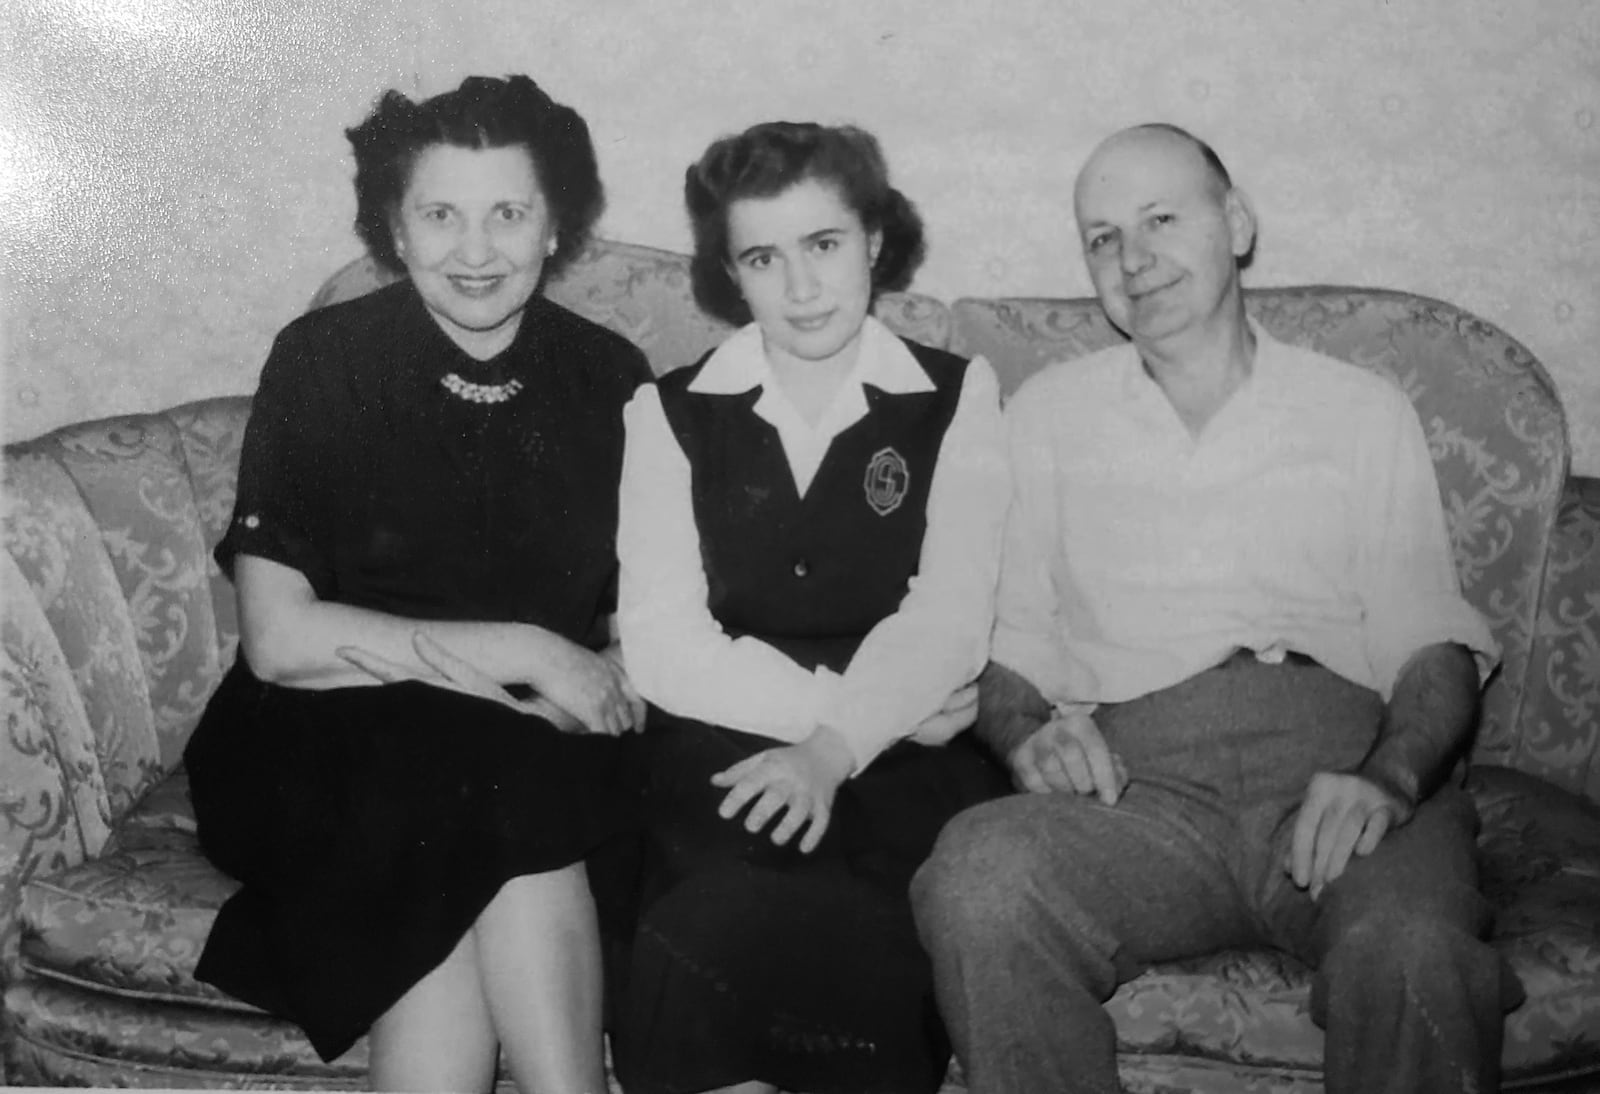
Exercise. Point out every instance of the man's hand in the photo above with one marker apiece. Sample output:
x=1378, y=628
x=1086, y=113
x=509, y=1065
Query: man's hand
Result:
x=801, y=779
x=1341, y=815
x=1068, y=753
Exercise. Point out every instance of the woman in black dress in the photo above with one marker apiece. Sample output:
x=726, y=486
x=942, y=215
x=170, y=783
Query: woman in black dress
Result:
x=427, y=495
x=810, y=533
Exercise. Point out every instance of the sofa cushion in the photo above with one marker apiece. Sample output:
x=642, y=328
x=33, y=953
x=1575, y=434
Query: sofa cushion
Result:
x=1540, y=859
x=125, y=931
x=1540, y=850
x=68, y=1035
x=131, y=922
x=1243, y=1006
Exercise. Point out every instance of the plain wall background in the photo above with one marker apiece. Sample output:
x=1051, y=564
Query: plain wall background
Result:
x=174, y=183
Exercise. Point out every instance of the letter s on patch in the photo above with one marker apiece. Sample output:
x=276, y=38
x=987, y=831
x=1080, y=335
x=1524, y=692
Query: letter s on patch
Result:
x=887, y=481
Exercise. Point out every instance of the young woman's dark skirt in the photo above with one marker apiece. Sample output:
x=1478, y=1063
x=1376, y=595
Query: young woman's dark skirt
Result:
x=753, y=961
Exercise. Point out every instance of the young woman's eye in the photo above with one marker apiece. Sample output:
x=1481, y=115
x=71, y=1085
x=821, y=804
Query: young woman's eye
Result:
x=758, y=262
x=437, y=214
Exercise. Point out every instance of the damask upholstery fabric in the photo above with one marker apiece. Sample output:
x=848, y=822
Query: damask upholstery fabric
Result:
x=56, y=545
x=1561, y=724
x=212, y=433
x=53, y=802
x=1491, y=416
x=130, y=922
x=67, y=1033
x=132, y=476
x=1540, y=851
x=129, y=926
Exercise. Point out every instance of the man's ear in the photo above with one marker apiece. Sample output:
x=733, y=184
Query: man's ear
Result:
x=1241, y=214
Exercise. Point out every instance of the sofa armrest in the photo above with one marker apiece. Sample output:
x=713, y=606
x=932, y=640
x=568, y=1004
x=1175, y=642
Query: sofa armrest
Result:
x=53, y=807
x=1559, y=731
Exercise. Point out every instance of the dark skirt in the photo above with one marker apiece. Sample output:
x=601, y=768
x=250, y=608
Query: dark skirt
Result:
x=370, y=827
x=753, y=961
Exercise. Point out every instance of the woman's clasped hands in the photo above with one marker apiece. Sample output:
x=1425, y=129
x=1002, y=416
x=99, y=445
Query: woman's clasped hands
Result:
x=576, y=690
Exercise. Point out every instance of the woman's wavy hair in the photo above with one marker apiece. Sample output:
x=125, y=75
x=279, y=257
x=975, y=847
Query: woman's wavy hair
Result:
x=483, y=112
x=766, y=160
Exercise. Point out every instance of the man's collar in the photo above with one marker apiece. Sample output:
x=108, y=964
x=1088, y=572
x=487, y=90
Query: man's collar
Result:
x=884, y=362
x=1264, y=373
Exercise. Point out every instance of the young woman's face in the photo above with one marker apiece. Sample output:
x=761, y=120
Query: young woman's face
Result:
x=474, y=231
x=803, y=262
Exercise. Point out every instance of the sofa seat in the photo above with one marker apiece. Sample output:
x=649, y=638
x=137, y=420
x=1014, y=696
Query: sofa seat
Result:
x=111, y=946
x=1235, y=1010
x=110, y=941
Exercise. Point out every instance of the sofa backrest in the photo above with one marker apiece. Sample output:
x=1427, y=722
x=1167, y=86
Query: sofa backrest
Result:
x=644, y=294
x=1493, y=421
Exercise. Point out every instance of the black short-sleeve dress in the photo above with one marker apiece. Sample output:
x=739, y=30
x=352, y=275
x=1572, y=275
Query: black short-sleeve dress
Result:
x=370, y=826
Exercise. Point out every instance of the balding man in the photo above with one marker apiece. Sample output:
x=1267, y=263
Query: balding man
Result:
x=1234, y=672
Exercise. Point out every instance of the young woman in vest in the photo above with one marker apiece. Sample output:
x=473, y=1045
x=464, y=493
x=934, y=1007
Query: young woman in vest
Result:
x=809, y=532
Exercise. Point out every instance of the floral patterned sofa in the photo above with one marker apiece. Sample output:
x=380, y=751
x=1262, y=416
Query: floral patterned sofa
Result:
x=116, y=626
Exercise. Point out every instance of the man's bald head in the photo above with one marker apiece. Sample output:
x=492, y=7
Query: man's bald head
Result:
x=1163, y=231
x=1163, y=132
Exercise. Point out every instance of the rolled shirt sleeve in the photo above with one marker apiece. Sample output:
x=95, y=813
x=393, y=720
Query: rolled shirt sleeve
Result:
x=938, y=639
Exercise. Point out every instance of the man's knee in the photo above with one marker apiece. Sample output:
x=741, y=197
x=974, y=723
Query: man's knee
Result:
x=1416, y=947
x=969, y=888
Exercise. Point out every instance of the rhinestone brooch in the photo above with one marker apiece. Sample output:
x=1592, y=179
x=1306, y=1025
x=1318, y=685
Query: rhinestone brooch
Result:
x=479, y=393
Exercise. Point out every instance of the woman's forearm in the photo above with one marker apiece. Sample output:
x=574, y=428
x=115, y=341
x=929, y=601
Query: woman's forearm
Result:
x=292, y=638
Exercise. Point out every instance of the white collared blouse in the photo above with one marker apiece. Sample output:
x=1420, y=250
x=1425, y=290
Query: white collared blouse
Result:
x=682, y=660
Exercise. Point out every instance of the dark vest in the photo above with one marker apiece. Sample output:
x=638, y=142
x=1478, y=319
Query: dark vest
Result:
x=811, y=576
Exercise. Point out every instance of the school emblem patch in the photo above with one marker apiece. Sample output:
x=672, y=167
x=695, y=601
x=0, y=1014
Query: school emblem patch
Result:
x=888, y=479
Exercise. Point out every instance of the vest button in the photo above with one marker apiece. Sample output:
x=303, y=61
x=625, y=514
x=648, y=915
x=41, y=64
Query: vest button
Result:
x=801, y=568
